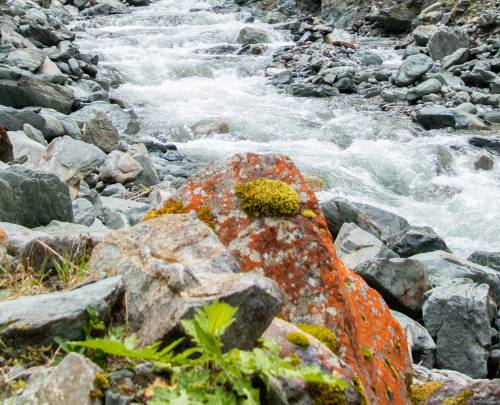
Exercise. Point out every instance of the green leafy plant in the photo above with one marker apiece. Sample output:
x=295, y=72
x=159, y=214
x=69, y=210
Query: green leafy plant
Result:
x=205, y=373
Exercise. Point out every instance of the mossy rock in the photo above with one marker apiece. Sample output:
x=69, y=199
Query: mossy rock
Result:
x=323, y=334
x=266, y=197
x=298, y=339
x=420, y=393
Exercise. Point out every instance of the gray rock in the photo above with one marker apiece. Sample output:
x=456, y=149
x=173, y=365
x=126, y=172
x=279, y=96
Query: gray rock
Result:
x=250, y=35
x=430, y=86
x=393, y=16
x=105, y=7
x=443, y=267
x=353, y=246
x=71, y=382
x=371, y=58
x=24, y=147
x=393, y=230
x=38, y=319
x=34, y=134
x=29, y=59
x=99, y=131
x=31, y=91
x=49, y=68
x=487, y=259
x=119, y=167
x=312, y=90
x=446, y=40
x=422, y=33
x=174, y=263
x=149, y=175
x=19, y=236
x=458, y=57
x=485, y=161
x=402, y=282
x=57, y=124
x=453, y=384
x=420, y=342
x=209, y=127
x=437, y=116
x=114, y=190
x=14, y=120
x=83, y=212
x=460, y=317
x=414, y=67
x=32, y=198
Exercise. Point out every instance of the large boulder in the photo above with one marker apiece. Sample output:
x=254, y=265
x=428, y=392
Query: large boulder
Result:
x=412, y=69
x=421, y=344
x=26, y=148
x=452, y=387
x=39, y=319
x=119, y=167
x=29, y=59
x=438, y=116
x=250, y=35
x=298, y=253
x=488, y=259
x=98, y=130
x=459, y=317
x=172, y=265
x=354, y=245
x=73, y=381
x=32, y=198
x=395, y=16
x=395, y=231
x=443, y=41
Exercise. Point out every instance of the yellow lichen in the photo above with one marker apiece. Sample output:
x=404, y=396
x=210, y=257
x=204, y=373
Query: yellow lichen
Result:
x=326, y=394
x=298, y=339
x=388, y=363
x=360, y=389
x=203, y=213
x=389, y=391
x=421, y=393
x=295, y=359
x=101, y=381
x=308, y=214
x=265, y=197
x=323, y=334
x=367, y=354
x=461, y=399
x=177, y=207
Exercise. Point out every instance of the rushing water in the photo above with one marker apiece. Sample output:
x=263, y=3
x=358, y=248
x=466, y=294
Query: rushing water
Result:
x=176, y=78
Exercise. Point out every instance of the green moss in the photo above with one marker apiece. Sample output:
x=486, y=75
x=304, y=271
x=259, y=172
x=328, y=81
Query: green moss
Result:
x=295, y=359
x=367, y=354
x=461, y=399
x=101, y=381
x=265, y=197
x=203, y=213
x=308, y=214
x=323, y=334
x=388, y=363
x=360, y=389
x=298, y=339
x=421, y=393
x=327, y=394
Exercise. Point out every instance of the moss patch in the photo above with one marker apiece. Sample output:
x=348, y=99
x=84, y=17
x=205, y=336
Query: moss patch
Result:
x=308, y=214
x=327, y=394
x=367, y=354
x=388, y=363
x=420, y=393
x=323, y=334
x=360, y=389
x=298, y=339
x=177, y=207
x=461, y=399
x=265, y=197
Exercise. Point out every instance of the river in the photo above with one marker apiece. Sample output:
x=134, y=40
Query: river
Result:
x=175, y=76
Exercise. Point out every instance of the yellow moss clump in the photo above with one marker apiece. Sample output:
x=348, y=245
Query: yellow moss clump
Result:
x=177, y=207
x=461, y=399
x=298, y=339
x=388, y=363
x=420, y=393
x=101, y=380
x=323, y=334
x=367, y=354
x=308, y=214
x=265, y=197
x=360, y=389
x=326, y=394
x=295, y=359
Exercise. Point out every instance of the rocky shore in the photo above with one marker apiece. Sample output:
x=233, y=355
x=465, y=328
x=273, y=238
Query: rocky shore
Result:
x=112, y=235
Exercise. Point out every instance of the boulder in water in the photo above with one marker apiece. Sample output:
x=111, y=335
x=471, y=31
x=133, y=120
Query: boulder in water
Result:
x=413, y=68
x=250, y=35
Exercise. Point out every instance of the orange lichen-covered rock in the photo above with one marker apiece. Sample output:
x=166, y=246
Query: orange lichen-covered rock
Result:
x=297, y=251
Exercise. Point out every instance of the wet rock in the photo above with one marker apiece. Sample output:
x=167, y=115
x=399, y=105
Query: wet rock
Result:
x=353, y=246
x=485, y=161
x=298, y=253
x=421, y=344
x=98, y=130
x=453, y=385
x=116, y=190
x=461, y=313
x=443, y=268
x=446, y=40
x=32, y=198
x=71, y=382
x=394, y=16
x=430, y=86
x=402, y=282
x=488, y=259
x=413, y=67
x=489, y=144
x=312, y=90
x=371, y=58
x=38, y=319
x=119, y=167
x=153, y=144
x=437, y=116
x=209, y=127
x=401, y=237
x=149, y=175
x=249, y=35
x=173, y=264
x=105, y=7
x=422, y=33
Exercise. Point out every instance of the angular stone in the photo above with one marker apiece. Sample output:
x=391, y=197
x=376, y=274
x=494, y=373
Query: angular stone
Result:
x=437, y=116
x=446, y=40
x=172, y=265
x=99, y=131
x=353, y=246
x=413, y=67
x=26, y=148
x=119, y=168
x=249, y=35
x=487, y=259
x=38, y=319
x=33, y=198
x=459, y=317
x=298, y=253
x=149, y=175
x=29, y=59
